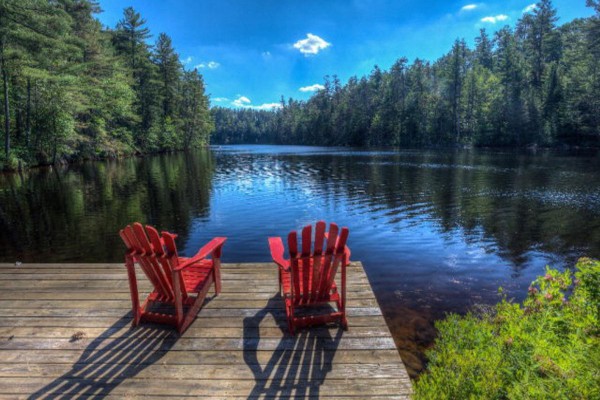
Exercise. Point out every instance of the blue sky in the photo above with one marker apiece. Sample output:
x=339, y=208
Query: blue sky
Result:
x=251, y=52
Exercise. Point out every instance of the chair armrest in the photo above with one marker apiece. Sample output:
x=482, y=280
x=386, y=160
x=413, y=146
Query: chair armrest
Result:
x=211, y=247
x=277, y=249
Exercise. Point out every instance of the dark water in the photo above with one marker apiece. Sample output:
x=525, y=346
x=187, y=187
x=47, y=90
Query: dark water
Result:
x=437, y=231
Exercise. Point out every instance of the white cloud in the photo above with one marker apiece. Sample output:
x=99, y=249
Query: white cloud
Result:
x=241, y=101
x=312, y=88
x=220, y=99
x=187, y=60
x=244, y=102
x=468, y=7
x=493, y=20
x=209, y=65
x=311, y=45
x=529, y=8
x=267, y=106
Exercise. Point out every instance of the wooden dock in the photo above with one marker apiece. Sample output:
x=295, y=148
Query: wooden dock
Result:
x=65, y=333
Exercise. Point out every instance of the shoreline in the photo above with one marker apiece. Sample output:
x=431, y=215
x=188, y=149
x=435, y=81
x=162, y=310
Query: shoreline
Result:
x=516, y=150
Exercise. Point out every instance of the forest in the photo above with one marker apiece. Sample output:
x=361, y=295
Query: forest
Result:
x=537, y=84
x=73, y=89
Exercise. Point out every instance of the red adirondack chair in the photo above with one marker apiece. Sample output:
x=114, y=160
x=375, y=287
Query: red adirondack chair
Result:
x=179, y=282
x=307, y=279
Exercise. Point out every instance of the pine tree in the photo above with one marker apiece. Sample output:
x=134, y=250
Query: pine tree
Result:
x=484, y=50
x=196, y=120
x=509, y=119
x=457, y=71
x=131, y=36
x=169, y=69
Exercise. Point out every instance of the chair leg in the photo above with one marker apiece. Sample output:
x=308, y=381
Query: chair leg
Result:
x=135, y=299
x=342, y=301
x=193, y=311
x=344, y=322
x=178, y=300
x=290, y=317
x=343, y=319
x=217, y=275
x=279, y=285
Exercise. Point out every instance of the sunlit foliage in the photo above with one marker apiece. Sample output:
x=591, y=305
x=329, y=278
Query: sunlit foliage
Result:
x=546, y=348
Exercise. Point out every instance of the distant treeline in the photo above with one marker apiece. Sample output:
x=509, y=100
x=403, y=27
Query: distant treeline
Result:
x=73, y=89
x=536, y=84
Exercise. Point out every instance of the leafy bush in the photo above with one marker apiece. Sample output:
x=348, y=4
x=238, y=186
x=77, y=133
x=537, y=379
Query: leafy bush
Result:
x=546, y=348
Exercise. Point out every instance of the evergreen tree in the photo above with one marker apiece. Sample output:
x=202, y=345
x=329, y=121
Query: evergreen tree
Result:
x=484, y=50
x=131, y=36
x=196, y=121
x=169, y=69
x=510, y=117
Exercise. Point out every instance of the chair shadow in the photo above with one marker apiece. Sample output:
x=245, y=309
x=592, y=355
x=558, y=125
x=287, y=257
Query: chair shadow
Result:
x=107, y=361
x=298, y=365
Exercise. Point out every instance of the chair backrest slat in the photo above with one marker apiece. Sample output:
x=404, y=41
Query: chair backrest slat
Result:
x=169, y=240
x=337, y=256
x=293, y=244
x=327, y=260
x=130, y=235
x=157, y=246
x=306, y=263
x=140, y=234
x=306, y=240
x=294, y=261
x=318, y=260
x=331, y=238
x=319, y=237
x=128, y=243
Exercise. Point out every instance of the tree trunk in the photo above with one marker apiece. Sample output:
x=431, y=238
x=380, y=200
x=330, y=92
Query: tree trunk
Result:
x=37, y=134
x=55, y=149
x=6, y=105
x=18, y=121
x=133, y=52
x=28, y=114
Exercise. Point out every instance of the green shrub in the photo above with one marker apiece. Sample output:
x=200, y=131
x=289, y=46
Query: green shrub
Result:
x=546, y=348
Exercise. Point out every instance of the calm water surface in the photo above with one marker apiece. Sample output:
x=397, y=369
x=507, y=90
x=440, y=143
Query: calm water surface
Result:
x=437, y=231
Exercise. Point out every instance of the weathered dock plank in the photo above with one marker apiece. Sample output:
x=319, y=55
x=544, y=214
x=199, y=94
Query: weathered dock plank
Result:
x=65, y=332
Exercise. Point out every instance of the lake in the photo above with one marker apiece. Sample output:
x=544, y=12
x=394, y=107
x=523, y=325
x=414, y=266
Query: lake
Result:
x=437, y=231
